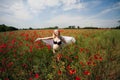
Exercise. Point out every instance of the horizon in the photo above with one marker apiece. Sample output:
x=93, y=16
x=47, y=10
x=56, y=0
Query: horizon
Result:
x=61, y=13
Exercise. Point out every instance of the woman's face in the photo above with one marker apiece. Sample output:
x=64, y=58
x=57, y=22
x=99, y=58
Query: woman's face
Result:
x=56, y=32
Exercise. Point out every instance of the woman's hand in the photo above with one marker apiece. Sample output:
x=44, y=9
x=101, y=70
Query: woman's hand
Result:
x=37, y=39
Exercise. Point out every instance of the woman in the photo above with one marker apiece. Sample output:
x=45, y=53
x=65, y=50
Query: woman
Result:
x=58, y=40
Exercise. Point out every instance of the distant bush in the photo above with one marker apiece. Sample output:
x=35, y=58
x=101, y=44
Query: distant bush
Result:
x=90, y=28
x=4, y=28
x=118, y=27
x=70, y=27
x=56, y=27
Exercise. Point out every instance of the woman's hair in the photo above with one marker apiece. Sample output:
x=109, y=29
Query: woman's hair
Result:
x=56, y=30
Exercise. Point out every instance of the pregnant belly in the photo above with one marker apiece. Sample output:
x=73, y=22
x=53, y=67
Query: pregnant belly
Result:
x=55, y=47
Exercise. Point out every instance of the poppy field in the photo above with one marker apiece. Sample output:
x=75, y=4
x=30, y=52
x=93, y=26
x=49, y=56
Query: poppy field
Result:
x=94, y=56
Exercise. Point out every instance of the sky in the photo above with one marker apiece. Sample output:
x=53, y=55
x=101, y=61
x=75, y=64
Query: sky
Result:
x=61, y=13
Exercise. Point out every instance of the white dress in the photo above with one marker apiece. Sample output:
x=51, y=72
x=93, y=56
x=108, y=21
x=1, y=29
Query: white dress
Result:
x=68, y=40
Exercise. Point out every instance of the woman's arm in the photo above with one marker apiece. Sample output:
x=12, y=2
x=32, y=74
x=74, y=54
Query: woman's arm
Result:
x=45, y=38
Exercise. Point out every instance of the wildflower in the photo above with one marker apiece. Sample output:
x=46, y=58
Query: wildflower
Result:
x=86, y=72
x=89, y=63
x=95, y=57
x=13, y=41
x=3, y=46
x=59, y=56
x=30, y=78
x=77, y=78
x=100, y=58
x=54, y=66
x=49, y=47
x=82, y=64
x=59, y=72
x=94, y=64
x=31, y=48
x=2, y=70
x=36, y=75
x=81, y=50
x=6, y=78
x=68, y=58
x=27, y=45
x=98, y=78
x=24, y=65
x=76, y=57
x=14, y=55
x=87, y=50
x=68, y=67
x=72, y=71
x=9, y=64
x=26, y=38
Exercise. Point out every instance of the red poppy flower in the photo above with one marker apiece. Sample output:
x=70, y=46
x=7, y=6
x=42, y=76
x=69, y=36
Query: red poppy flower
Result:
x=81, y=50
x=10, y=64
x=77, y=78
x=100, y=58
x=72, y=71
x=3, y=46
x=6, y=78
x=13, y=41
x=82, y=64
x=2, y=69
x=25, y=65
x=86, y=72
x=31, y=48
x=95, y=57
x=89, y=63
x=59, y=72
x=30, y=78
x=76, y=57
x=49, y=47
x=36, y=75
x=68, y=67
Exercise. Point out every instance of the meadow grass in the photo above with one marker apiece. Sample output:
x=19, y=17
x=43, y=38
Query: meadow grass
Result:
x=94, y=56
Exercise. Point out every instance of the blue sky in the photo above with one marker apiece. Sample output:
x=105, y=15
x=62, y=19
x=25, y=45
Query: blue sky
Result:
x=62, y=13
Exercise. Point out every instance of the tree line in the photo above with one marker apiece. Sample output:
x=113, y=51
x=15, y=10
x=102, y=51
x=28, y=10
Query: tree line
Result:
x=4, y=28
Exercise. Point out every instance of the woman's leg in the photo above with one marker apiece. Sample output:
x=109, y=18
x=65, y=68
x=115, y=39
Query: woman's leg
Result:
x=53, y=51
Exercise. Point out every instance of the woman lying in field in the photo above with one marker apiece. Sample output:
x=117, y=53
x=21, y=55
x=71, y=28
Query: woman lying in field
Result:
x=56, y=40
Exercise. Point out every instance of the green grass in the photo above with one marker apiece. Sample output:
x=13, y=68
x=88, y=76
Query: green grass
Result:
x=94, y=56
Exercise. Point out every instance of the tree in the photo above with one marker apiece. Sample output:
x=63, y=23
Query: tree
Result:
x=4, y=28
x=118, y=21
x=78, y=27
x=30, y=28
x=71, y=27
x=56, y=27
x=118, y=27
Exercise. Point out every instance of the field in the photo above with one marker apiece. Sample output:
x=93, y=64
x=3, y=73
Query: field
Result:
x=94, y=56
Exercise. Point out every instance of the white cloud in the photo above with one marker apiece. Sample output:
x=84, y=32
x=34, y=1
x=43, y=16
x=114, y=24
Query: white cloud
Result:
x=52, y=3
x=71, y=4
x=105, y=11
x=78, y=6
x=15, y=9
x=66, y=20
x=37, y=6
x=14, y=13
x=19, y=11
x=92, y=4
